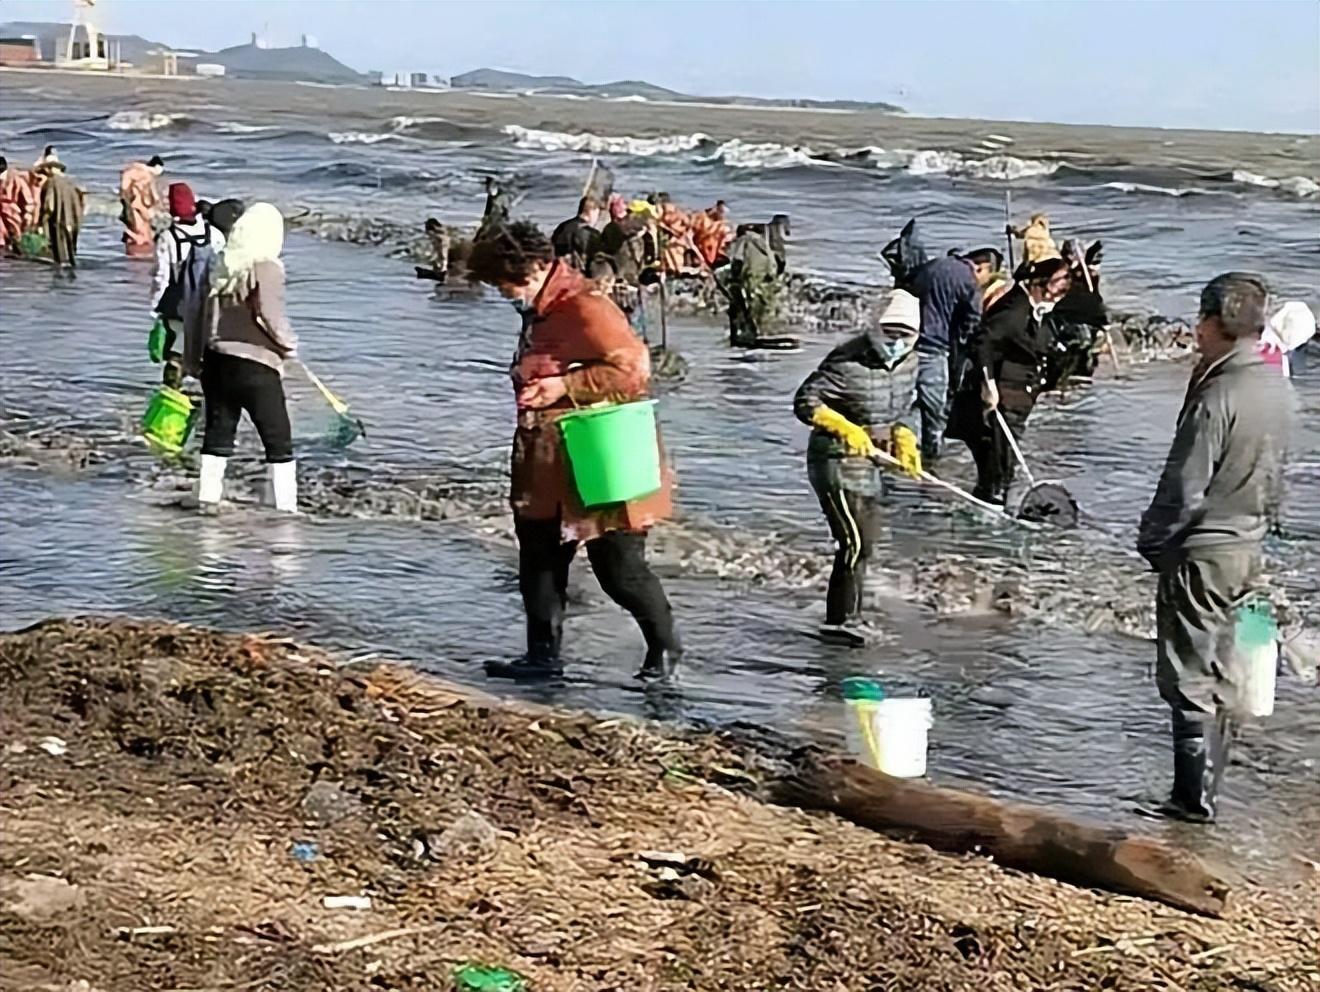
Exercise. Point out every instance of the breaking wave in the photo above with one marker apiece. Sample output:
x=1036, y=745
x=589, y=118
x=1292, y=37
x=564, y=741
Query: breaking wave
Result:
x=142, y=120
x=767, y=155
x=1296, y=185
x=930, y=162
x=361, y=137
x=597, y=144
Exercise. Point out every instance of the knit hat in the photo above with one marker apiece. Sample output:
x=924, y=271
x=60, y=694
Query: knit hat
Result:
x=182, y=204
x=902, y=310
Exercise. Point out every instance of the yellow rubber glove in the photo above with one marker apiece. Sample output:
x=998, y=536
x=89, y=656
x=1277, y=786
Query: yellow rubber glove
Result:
x=855, y=438
x=903, y=444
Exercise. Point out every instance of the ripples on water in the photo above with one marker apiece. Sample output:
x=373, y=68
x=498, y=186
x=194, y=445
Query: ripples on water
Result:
x=1051, y=714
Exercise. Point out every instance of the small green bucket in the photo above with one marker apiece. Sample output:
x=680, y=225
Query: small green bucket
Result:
x=613, y=452
x=168, y=421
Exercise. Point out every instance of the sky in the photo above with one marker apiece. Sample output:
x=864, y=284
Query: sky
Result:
x=1223, y=64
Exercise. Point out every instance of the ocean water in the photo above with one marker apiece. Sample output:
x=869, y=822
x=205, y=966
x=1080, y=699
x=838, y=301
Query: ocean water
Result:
x=1046, y=712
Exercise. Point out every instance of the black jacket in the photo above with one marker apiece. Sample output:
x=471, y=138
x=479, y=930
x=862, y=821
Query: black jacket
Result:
x=1015, y=346
x=575, y=240
x=950, y=301
x=855, y=381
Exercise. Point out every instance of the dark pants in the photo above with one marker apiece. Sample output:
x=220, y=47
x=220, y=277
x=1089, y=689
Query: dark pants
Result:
x=931, y=399
x=63, y=245
x=995, y=463
x=232, y=385
x=854, y=515
x=1198, y=667
x=619, y=561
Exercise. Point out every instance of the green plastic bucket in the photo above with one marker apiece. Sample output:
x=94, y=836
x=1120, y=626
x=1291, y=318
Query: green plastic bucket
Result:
x=168, y=421
x=613, y=452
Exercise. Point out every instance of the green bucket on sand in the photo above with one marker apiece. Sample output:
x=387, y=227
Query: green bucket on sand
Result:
x=486, y=978
x=168, y=421
x=613, y=452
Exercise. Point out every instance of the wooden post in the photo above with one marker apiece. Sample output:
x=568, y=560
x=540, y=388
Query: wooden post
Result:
x=1013, y=834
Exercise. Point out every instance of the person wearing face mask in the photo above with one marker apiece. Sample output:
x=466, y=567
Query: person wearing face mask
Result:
x=575, y=349
x=1007, y=362
x=858, y=402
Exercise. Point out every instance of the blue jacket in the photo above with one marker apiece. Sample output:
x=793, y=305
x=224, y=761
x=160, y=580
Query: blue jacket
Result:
x=950, y=301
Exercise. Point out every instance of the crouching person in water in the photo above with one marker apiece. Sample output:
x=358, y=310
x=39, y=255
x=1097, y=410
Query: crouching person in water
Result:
x=575, y=349
x=1203, y=531
x=859, y=401
x=248, y=339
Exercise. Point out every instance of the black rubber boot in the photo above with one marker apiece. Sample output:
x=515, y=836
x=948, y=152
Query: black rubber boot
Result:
x=1200, y=754
x=541, y=662
x=660, y=664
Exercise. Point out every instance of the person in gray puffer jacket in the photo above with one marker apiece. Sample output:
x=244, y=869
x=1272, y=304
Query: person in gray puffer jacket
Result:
x=859, y=401
x=1219, y=492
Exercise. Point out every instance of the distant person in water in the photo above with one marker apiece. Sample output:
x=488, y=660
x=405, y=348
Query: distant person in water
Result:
x=61, y=214
x=140, y=203
x=577, y=239
x=498, y=208
x=175, y=277
x=438, y=237
x=1290, y=328
x=16, y=204
x=711, y=234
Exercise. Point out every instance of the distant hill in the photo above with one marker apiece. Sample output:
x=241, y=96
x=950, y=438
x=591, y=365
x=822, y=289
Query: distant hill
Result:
x=301, y=64
x=240, y=61
x=502, y=80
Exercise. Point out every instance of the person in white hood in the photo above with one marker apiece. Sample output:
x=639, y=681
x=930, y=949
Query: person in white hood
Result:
x=1290, y=328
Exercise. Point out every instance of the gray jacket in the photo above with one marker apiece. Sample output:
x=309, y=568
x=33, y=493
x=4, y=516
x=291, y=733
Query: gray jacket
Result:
x=1222, y=482
x=252, y=324
x=855, y=381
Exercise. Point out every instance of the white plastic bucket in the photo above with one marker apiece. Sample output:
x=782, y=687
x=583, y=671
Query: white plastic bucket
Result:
x=891, y=735
x=1260, y=668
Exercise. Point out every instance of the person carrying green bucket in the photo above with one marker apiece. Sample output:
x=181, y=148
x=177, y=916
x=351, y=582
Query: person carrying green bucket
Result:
x=587, y=466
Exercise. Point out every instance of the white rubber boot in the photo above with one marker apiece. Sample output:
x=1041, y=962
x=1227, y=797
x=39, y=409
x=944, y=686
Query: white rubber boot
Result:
x=211, y=481
x=284, y=486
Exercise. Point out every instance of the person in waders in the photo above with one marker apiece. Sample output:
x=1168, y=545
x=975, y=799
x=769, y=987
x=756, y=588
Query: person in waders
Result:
x=577, y=239
x=858, y=402
x=751, y=280
x=1216, y=499
x=496, y=213
x=16, y=204
x=575, y=349
x=139, y=203
x=188, y=232
x=248, y=340
x=62, y=206
x=1005, y=369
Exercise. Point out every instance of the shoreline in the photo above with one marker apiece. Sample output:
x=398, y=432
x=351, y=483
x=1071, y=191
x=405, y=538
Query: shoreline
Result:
x=245, y=778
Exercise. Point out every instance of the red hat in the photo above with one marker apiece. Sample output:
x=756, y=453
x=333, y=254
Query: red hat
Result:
x=183, y=205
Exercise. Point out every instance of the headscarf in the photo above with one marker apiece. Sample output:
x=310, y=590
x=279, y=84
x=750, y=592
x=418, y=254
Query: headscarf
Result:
x=257, y=237
x=618, y=206
x=1291, y=327
x=183, y=205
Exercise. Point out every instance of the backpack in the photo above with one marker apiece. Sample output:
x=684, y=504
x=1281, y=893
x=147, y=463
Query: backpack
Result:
x=185, y=277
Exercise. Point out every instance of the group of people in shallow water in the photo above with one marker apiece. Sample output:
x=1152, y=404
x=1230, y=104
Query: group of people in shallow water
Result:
x=958, y=343
x=41, y=209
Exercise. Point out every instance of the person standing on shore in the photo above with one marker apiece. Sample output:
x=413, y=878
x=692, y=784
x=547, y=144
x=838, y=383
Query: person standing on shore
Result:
x=175, y=277
x=61, y=214
x=248, y=341
x=140, y=202
x=16, y=204
x=1217, y=497
x=575, y=349
x=859, y=401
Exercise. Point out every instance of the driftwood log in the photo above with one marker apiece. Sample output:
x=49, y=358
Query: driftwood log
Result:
x=1015, y=835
